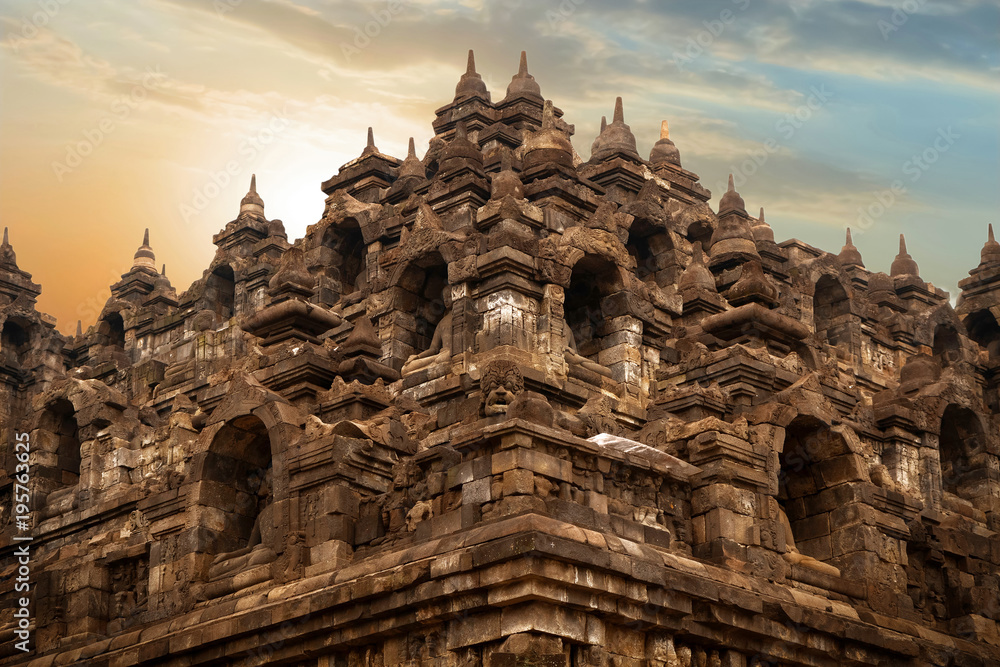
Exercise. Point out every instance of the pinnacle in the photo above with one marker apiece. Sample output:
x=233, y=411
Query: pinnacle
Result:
x=619, y=111
x=79, y=328
x=163, y=271
x=761, y=218
x=145, y=237
x=903, y=265
x=850, y=241
x=664, y=130
x=522, y=69
x=253, y=183
x=990, y=238
x=7, y=242
x=471, y=68
x=411, y=150
x=371, y=138
x=604, y=123
x=732, y=188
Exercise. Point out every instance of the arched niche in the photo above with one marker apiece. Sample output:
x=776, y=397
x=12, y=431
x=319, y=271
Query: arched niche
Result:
x=813, y=460
x=593, y=279
x=111, y=329
x=236, y=481
x=947, y=346
x=348, y=254
x=831, y=310
x=220, y=291
x=700, y=231
x=962, y=438
x=983, y=328
x=421, y=304
x=58, y=439
x=650, y=246
x=15, y=342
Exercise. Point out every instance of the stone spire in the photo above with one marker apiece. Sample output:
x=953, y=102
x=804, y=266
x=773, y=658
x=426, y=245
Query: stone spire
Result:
x=370, y=148
x=412, y=167
x=615, y=139
x=731, y=200
x=753, y=286
x=252, y=204
x=732, y=241
x=850, y=255
x=664, y=151
x=79, y=328
x=460, y=151
x=697, y=275
x=144, y=257
x=990, y=253
x=903, y=265
x=523, y=84
x=548, y=144
x=761, y=230
x=471, y=84
x=7, y=256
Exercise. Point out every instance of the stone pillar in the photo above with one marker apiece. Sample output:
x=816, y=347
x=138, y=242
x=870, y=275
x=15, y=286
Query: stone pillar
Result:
x=726, y=497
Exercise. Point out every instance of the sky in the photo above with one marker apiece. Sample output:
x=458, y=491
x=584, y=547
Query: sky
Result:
x=115, y=116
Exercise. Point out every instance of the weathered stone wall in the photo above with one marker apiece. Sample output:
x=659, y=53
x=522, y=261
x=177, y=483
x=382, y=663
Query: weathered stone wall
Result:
x=502, y=407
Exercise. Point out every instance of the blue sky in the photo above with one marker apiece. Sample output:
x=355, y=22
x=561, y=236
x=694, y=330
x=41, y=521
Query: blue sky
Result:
x=835, y=100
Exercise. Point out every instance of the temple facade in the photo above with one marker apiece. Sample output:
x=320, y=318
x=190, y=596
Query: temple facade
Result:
x=506, y=407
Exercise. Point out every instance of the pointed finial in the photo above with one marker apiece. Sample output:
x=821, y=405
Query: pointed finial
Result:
x=761, y=218
x=411, y=150
x=251, y=202
x=991, y=249
x=371, y=138
x=849, y=255
x=664, y=130
x=471, y=68
x=604, y=123
x=522, y=69
x=144, y=257
x=990, y=234
x=732, y=188
x=731, y=200
x=163, y=271
x=619, y=111
x=79, y=328
x=7, y=242
x=903, y=265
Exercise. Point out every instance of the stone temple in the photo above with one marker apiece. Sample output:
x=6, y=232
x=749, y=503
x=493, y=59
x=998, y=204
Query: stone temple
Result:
x=505, y=407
